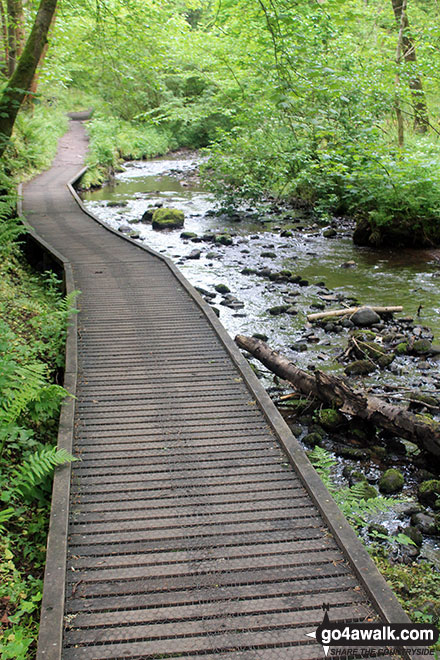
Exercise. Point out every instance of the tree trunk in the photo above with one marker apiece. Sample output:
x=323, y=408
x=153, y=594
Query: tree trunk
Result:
x=30, y=96
x=15, y=32
x=421, y=119
x=335, y=392
x=4, y=37
x=19, y=83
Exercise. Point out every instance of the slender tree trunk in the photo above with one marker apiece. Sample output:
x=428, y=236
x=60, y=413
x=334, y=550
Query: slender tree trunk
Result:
x=4, y=37
x=30, y=96
x=399, y=116
x=15, y=32
x=16, y=89
x=421, y=120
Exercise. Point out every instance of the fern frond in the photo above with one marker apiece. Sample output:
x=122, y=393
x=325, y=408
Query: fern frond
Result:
x=37, y=469
x=26, y=387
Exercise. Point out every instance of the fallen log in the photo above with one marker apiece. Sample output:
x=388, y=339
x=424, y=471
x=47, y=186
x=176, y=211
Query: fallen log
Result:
x=337, y=393
x=351, y=310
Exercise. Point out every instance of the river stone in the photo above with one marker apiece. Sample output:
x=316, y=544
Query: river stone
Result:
x=165, y=218
x=278, y=309
x=331, y=419
x=188, y=235
x=299, y=346
x=147, y=216
x=414, y=534
x=313, y=439
x=429, y=491
x=391, y=481
x=364, y=317
x=422, y=347
x=268, y=255
x=260, y=336
x=425, y=522
x=329, y=233
x=223, y=239
x=115, y=203
x=124, y=229
x=194, y=254
x=359, y=368
x=222, y=288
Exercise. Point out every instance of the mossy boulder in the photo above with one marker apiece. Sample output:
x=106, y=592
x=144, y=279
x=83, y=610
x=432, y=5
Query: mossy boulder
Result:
x=429, y=492
x=278, y=309
x=414, y=534
x=391, y=481
x=401, y=348
x=188, y=235
x=168, y=219
x=313, y=439
x=329, y=232
x=422, y=347
x=223, y=239
x=359, y=368
x=222, y=288
x=331, y=419
x=147, y=216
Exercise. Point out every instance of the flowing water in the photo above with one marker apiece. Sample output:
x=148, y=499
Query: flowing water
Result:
x=404, y=277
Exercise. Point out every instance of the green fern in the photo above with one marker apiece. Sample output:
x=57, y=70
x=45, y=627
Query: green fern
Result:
x=32, y=479
x=356, y=502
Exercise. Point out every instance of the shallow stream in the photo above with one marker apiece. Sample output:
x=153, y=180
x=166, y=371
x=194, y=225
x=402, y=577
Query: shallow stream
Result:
x=407, y=278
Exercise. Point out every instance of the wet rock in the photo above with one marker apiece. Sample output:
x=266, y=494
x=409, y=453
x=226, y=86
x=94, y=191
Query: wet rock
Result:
x=329, y=232
x=365, y=317
x=352, y=453
x=331, y=419
x=414, y=534
x=188, y=235
x=247, y=271
x=303, y=282
x=124, y=229
x=194, y=254
x=216, y=311
x=213, y=255
x=346, y=323
x=422, y=347
x=291, y=311
x=429, y=492
x=278, y=309
x=299, y=347
x=264, y=272
x=317, y=306
x=268, y=255
x=376, y=531
x=232, y=302
x=115, y=203
x=349, y=264
x=426, y=523
x=147, y=216
x=222, y=288
x=223, y=239
x=391, y=481
x=359, y=368
x=286, y=233
x=208, y=238
x=313, y=439
x=165, y=218
x=258, y=335
x=329, y=327
x=352, y=475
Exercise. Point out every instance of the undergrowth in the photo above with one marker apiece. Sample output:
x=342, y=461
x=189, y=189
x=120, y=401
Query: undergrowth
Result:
x=113, y=140
x=417, y=585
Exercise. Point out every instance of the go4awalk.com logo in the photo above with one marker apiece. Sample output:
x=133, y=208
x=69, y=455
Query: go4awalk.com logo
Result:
x=343, y=639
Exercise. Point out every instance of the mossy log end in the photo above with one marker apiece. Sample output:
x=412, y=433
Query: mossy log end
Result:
x=336, y=392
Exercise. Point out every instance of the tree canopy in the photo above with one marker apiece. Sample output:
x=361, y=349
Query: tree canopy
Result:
x=331, y=102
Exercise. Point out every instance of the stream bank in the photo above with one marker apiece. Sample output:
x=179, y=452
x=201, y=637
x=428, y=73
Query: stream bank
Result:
x=263, y=273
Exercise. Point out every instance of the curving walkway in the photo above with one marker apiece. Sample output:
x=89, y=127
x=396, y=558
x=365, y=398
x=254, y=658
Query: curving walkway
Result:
x=196, y=527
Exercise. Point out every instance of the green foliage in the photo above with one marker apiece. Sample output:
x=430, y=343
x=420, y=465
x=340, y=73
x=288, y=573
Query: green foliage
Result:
x=32, y=479
x=112, y=140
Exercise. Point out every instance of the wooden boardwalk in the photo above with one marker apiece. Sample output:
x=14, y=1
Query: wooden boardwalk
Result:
x=196, y=526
